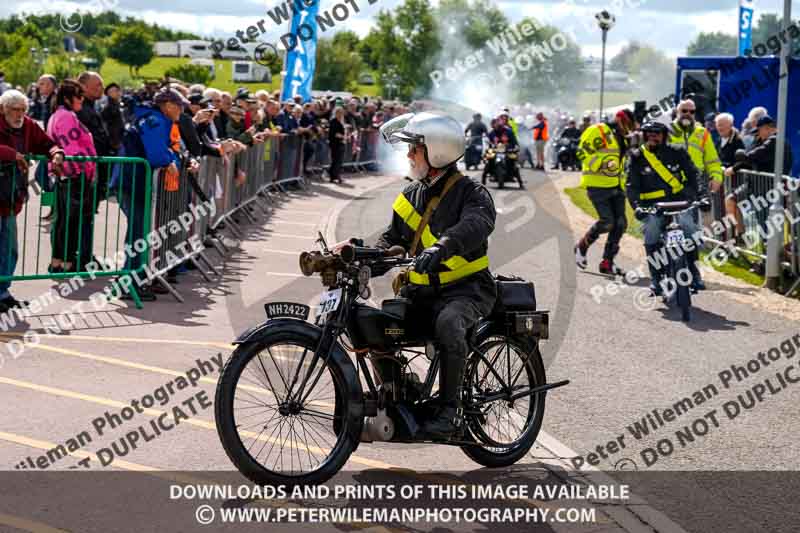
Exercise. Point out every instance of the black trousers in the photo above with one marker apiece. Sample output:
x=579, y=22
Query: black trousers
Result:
x=610, y=206
x=453, y=313
x=337, y=155
x=73, y=222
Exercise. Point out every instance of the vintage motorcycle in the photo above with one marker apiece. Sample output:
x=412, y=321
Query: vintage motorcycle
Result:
x=473, y=151
x=503, y=163
x=567, y=153
x=677, y=277
x=290, y=405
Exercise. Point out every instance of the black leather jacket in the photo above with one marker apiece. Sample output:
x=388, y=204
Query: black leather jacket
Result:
x=462, y=224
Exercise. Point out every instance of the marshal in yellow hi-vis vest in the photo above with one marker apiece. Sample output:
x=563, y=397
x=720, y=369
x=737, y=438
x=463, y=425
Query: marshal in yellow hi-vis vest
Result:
x=697, y=141
x=602, y=161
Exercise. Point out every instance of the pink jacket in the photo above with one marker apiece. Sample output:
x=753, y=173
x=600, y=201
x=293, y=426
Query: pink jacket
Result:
x=68, y=132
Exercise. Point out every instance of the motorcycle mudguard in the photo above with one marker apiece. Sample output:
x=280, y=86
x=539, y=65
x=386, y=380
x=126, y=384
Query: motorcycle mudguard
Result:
x=263, y=331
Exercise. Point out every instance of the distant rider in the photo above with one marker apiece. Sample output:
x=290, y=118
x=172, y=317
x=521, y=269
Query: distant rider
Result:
x=659, y=172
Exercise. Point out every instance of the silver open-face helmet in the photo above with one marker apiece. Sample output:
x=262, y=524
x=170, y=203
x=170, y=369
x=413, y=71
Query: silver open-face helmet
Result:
x=442, y=136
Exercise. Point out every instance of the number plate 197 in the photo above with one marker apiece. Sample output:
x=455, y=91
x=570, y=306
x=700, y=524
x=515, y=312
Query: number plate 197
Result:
x=287, y=309
x=675, y=238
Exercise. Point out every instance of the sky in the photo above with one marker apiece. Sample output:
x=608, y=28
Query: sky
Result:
x=669, y=25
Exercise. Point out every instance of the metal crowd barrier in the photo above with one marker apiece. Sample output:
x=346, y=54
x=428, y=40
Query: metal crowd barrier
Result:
x=180, y=215
x=361, y=149
x=88, y=229
x=93, y=222
x=742, y=210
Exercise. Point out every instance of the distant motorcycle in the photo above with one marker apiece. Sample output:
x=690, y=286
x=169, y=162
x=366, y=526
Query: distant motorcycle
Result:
x=474, y=151
x=567, y=153
x=677, y=276
x=501, y=164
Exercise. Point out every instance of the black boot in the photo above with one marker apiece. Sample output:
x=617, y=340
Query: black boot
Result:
x=448, y=418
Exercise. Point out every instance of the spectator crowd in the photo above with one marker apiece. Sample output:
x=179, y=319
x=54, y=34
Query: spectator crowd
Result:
x=170, y=124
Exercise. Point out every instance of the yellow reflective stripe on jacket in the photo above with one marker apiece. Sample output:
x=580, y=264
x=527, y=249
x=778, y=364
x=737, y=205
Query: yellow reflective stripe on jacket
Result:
x=592, y=179
x=406, y=211
x=471, y=267
x=702, y=153
x=410, y=216
x=662, y=171
x=652, y=195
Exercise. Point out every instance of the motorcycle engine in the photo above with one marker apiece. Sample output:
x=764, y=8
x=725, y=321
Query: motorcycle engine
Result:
x=380, y=428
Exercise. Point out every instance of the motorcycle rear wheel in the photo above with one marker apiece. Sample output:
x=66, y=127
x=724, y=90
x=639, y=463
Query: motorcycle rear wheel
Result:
x=504, y=433
x=311, y=439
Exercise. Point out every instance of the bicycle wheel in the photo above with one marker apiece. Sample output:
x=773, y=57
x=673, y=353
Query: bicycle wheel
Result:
x=503, y=430
x=271, y=432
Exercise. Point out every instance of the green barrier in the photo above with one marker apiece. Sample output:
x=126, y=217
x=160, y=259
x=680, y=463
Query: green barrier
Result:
x=81, y=230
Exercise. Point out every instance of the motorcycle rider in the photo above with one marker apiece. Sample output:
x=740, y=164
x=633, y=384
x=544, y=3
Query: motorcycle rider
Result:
x=451, y=273
x=476, y=130
x=509, y=121
x=586, y=121
x=686, y=132
x=501, y=133
x=659, y=172
x=571, y=131
x=602, y=157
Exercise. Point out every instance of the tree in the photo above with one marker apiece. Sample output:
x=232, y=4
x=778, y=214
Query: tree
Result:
x=767, y=32
x=337, y=67
x=190, y=73
x=18, y=65
x=348, y=39
x=407, y=43
x=713, y=44
x=621, y=61
x=556, y=67
x=132, y=46
x=97, y=51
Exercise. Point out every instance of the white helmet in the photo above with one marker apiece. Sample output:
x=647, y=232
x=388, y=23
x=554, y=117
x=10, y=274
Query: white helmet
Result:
x=441, y=135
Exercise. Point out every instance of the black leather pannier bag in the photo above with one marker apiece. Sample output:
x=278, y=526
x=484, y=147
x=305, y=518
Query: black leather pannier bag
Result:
x=515, y=308
x=514, y=294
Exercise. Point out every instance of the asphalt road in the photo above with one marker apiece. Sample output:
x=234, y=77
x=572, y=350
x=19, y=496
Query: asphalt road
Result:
x=623, y=363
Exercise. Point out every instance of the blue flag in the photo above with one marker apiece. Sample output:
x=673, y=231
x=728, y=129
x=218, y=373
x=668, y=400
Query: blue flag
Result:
x=745, y=26
x=301, y=52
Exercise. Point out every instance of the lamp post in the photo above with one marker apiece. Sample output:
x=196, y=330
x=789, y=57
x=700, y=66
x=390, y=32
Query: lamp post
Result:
x=605, y=21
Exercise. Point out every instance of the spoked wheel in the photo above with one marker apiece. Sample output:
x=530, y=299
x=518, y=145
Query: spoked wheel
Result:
x=272, y=431
x=497, y=376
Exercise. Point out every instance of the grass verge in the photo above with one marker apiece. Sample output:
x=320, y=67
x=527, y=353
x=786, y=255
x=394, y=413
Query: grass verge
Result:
x=735, y=267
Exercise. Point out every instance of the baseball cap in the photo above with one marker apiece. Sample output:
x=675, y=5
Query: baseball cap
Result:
x=169, y=95
x=198, y=99
x=766, y=120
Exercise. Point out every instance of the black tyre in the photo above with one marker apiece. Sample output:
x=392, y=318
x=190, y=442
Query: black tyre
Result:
x=275, y=438
x=505, y=431
x=683, y=295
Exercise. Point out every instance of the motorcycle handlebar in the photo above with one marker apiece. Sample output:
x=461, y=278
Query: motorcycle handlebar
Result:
x=685, y=206
x=350, y=253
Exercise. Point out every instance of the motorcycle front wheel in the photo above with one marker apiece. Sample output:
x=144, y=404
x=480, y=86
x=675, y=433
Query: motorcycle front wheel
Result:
x=271, y=433
x=503, y=431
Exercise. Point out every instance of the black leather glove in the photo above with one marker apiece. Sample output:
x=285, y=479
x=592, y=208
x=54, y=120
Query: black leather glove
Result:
x=429, y=260
x=705, y=205
x=640, y=214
